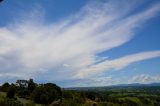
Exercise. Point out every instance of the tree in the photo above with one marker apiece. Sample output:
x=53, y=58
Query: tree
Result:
x=22, y=83
x=44, y=98
x=5, y=87
x=91, y=95
x=11, y=92
x=26, y=87
x=31, y=85
x=46, y=93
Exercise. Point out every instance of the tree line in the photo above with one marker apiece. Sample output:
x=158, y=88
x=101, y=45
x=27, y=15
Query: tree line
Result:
x=39, y=93
x=49, y=94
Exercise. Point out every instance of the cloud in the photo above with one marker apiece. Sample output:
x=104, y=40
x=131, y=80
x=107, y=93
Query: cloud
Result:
x=60, y=50
x=96, y=81
x=144, y=79
x=117, y=64
x=110, y=80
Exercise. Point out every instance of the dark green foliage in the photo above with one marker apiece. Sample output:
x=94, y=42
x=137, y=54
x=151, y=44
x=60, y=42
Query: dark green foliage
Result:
x=4, y=87
x=138, y=96
x=54, y=92
x=74, y=96
x=25, y=88
x=9, y=102
x=50, y=94
x=23, y=93
x=46, y=93
x=37, y=93
x=67, y=94
x=91, y=95
x=31, y=85
x=22, y=83
x=11, y=92
x=44, y=99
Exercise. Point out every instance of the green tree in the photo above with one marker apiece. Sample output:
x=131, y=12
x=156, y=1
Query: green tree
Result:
x=25, y=87
x=31, y=85
x=10, y=92
x=22, y=83
x=46, y=93
x=4, y=87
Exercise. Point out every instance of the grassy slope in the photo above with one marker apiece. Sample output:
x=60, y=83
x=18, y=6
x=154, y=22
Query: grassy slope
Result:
x=24, y=101
x=2, y=94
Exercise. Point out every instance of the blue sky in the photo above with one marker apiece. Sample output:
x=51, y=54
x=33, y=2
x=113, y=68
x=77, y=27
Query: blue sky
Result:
x=80, y=42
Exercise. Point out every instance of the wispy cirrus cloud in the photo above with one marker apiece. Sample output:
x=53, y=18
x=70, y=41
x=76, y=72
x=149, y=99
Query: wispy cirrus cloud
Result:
x=144, y=78
x=117, y=64
x=67, y=49
x=95, y=81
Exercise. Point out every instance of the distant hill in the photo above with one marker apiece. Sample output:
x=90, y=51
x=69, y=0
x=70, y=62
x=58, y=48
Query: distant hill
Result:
x=138, y=84
x=114, y=87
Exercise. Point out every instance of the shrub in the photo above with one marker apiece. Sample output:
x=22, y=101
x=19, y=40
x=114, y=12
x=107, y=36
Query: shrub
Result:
x=46, y=94
x=10, y=92
x=9, y=102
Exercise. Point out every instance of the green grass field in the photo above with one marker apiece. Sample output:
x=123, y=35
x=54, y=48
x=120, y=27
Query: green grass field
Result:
x=2, y=94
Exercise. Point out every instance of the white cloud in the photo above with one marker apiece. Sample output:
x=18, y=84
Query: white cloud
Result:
x=110, y=80
x=96, y=81
x=31, y=48
x=144, y=79
x=117, y=64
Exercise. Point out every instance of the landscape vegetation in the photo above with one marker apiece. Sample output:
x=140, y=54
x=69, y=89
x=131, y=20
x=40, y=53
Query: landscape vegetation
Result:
x=29, y=93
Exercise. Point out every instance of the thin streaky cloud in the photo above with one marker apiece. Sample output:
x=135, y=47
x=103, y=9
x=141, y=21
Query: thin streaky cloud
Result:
x=117, y=64
x=144, y=78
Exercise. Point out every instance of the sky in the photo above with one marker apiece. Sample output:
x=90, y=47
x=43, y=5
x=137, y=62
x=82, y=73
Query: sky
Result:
x=80, y=43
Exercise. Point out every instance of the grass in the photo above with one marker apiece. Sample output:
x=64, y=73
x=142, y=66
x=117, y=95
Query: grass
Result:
x=2, y=95
x=25, y=101
x=22, y=100
x=134, y=99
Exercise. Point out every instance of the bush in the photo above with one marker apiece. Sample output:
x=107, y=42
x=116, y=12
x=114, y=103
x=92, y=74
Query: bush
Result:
x=10, y=92
x=30, y=104
x=4, y=87
x=70, y=102
x=9, y=102
x=46, y=94
x=23, y=93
